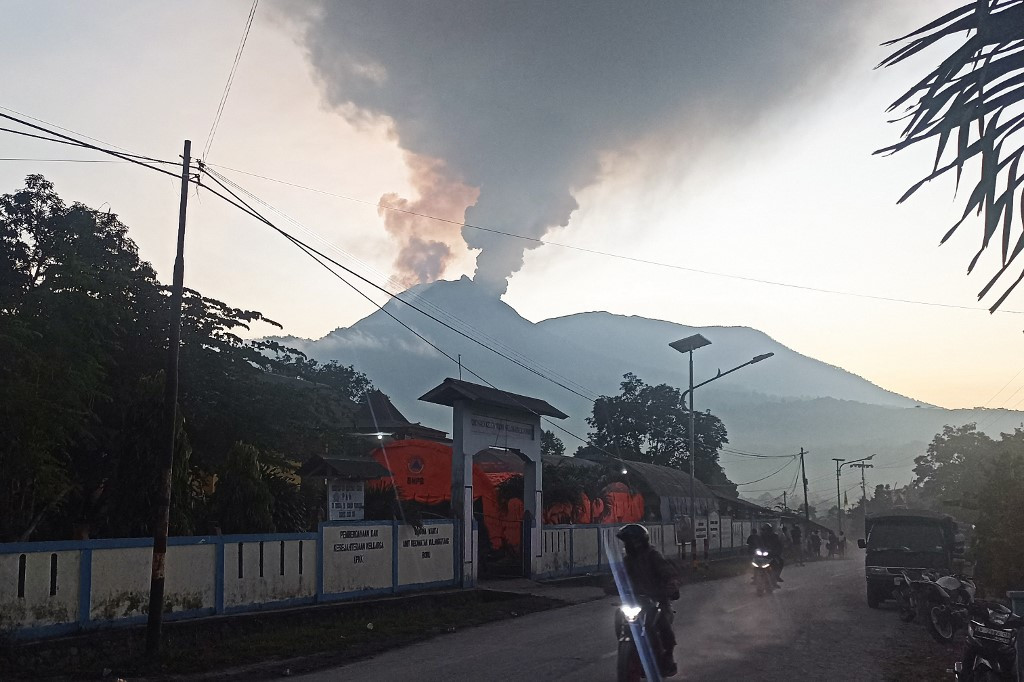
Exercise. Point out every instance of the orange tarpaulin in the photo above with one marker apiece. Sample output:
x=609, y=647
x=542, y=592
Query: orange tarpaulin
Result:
x=421, y=471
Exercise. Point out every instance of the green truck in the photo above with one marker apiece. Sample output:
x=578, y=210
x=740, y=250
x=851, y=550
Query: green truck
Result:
x=908, y=542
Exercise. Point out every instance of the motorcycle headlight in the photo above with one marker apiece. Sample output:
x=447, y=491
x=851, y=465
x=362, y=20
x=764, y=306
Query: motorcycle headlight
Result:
x=761, y=552
x=998, y=617
x=630, y=612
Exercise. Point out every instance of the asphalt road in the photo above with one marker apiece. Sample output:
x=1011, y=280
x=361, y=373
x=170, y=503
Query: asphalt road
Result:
x=817, y=627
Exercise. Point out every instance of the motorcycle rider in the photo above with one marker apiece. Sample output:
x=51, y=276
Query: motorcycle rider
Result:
x=771, y=542
x=654, y=576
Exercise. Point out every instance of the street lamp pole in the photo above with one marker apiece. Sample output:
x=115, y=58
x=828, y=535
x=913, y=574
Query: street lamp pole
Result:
x=839, y=468
x=688, y=345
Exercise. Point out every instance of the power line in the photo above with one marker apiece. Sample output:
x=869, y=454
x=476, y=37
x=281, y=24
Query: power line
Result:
x=65, y=160
x=230, y=81
x=609, y=254
x=66, y=130
x=757, y=480
x=515, y=361
x=403, y=296
x=242, y=205
x=64, y=139
x=317, y=256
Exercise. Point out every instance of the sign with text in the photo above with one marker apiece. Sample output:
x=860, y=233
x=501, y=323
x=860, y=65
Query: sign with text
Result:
x=356, y=557
x=701, y=529
x=345, y=500
x=426, y=554
x=503, y=429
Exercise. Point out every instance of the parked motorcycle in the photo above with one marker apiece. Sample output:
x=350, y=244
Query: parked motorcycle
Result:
x=640, y=646
x=990, y=653
x=944, y=603
x=764, y=572
x=906, y=596
x=909, y=593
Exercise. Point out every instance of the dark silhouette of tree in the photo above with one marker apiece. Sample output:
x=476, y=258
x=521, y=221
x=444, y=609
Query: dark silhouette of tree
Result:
x=550, y=444
x=83, y=343
x=651, y=424
x=972, y=101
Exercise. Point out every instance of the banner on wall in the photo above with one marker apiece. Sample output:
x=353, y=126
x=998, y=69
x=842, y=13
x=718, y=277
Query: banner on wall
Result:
x=345, y=500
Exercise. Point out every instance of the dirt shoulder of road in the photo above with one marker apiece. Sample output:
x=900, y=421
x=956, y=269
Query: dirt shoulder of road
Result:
x=269, y=644
x=272, y=644
x=912, y=654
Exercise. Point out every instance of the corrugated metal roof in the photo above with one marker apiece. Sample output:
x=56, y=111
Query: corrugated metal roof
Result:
x=353, y=469
x=666, y=481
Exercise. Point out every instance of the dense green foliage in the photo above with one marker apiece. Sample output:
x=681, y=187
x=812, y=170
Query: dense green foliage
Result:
x=550, y=444
x=652, y=424
x=979, y=481
x=83, y=345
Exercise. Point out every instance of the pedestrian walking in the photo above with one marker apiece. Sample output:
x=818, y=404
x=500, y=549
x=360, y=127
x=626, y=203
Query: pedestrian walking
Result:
x=798, y=546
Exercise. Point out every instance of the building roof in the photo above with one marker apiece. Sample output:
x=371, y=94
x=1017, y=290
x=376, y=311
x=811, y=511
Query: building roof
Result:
x=351, y=469
x=666, y=481
x=451, y=390
x=376, y=414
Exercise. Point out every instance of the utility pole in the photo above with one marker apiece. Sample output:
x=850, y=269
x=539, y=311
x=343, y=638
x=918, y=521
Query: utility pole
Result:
x=839, y=499
x=163, y=514
x=863, y=485
x=803, y=475
x=785, y=507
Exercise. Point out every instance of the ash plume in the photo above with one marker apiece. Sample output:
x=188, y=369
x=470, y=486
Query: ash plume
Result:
x=521, y=99
x=424, y=243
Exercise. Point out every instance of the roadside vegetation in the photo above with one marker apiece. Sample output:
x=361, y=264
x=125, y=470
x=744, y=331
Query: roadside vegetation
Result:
x=83, y=344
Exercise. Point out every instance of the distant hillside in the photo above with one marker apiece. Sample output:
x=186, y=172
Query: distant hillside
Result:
x=774, y=407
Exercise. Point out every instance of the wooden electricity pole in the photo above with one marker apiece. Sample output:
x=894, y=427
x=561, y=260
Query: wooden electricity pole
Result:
x=163, y=512
x=803, y=475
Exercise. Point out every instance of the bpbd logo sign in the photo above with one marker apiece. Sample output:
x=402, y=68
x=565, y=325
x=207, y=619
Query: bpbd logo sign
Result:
x=415, y=466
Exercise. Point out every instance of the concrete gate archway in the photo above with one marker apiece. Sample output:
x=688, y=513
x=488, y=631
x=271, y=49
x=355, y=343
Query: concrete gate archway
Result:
x=485, y=417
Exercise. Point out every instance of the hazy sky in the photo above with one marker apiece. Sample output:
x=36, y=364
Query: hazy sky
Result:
x=727, y=137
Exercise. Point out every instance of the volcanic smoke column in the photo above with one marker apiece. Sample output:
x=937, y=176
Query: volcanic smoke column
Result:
x=521, y=99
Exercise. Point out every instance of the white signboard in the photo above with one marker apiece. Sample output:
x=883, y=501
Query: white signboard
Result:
x=715, y=528
x=504, y=429
x=345, y=500
x=701, y=529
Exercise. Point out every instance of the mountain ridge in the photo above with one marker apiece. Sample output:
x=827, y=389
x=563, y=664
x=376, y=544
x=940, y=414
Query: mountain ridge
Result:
x=774, y=407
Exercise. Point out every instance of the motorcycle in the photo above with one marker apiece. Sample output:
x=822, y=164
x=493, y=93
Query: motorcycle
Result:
x=991, y=644
x=908, y=593
x=944, y=603
x=906, y=597
x=640, y=646
x=764, y=572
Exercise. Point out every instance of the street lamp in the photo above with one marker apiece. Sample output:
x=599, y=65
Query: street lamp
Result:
x=688, y=345
x=840, y=463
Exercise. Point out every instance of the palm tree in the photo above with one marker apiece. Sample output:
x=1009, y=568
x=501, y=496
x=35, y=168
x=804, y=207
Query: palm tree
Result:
x=975, y=96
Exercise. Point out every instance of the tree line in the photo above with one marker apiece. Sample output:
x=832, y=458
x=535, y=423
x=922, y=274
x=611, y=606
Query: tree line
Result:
x=83, y=346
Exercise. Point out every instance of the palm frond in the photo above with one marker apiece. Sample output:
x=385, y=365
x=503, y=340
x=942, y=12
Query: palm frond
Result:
x=979, y=82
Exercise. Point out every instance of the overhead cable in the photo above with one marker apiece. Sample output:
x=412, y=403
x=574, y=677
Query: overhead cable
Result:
x=230, y=81
x=610, y=254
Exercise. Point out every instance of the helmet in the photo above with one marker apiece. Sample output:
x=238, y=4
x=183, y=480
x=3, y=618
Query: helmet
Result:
x=767, y=528
x=635, y=537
